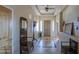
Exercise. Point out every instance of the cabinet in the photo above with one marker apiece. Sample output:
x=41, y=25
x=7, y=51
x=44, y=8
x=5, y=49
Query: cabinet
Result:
x=23, y=36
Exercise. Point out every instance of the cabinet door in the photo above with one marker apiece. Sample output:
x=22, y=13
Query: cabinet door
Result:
x=23, y=36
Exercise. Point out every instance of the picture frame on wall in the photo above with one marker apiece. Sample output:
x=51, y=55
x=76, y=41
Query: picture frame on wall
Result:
x=68, y=28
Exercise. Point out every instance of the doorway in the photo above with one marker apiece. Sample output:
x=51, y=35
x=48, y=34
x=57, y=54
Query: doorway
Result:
x=5, y=30
x=47, y=29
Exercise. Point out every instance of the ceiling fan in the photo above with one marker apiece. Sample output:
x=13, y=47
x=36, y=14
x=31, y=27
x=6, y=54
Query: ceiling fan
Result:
x=47, y=8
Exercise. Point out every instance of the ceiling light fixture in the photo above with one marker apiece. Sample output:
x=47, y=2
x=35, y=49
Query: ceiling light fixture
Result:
x=47, y=8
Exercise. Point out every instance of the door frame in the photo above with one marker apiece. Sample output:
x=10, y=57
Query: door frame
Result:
x=10, y=11
x=44, y=25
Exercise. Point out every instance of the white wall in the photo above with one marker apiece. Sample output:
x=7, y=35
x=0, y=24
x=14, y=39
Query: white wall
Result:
x=19, y=11
x=71, y=13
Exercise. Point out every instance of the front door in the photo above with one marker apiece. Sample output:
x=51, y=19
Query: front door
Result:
x=47, y=29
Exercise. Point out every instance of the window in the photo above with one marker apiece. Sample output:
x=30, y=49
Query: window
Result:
x=37, y=27
x=41, y=25
x=53, y=25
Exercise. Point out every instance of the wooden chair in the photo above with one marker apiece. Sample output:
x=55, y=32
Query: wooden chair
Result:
x=71, y=49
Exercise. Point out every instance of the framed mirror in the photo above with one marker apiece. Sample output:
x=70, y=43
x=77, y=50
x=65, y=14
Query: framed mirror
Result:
x=68, y=28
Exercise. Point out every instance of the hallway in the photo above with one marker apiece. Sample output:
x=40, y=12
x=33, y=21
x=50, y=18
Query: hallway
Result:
x=47, y=46
x=39, y=29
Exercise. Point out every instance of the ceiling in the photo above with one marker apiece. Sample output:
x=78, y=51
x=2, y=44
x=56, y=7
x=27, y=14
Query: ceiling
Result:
x=51, y=9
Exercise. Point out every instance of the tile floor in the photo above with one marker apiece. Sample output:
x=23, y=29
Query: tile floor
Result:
x=47, y=46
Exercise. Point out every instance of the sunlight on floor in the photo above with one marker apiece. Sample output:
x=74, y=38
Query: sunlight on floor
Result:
x=47, y=46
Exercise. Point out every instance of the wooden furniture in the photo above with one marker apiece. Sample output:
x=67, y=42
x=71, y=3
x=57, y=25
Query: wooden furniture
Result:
x=73, y=45
x=71, y=49
x=23, y=36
